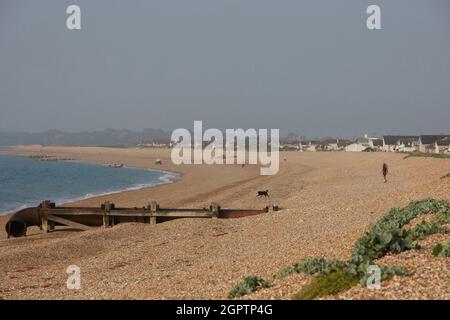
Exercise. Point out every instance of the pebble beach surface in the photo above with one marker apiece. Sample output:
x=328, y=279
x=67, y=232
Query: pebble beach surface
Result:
x=328, y=199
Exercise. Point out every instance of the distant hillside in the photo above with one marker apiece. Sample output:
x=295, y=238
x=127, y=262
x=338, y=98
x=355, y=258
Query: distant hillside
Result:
x=109, y=137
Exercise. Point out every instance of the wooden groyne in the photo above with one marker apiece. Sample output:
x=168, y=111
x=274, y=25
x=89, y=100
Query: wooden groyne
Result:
x=47, y=216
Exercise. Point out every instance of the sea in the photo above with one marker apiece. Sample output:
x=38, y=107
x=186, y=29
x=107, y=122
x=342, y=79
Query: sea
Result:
x=25, y=182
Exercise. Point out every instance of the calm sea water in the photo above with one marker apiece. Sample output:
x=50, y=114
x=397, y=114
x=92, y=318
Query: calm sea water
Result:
x=25, y=182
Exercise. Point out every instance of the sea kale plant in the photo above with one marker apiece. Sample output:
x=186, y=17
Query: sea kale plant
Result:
x=387, y=235
x=442, y=250
x=248, y=285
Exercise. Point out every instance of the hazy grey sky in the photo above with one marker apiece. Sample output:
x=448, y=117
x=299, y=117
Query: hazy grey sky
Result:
x=309, y=67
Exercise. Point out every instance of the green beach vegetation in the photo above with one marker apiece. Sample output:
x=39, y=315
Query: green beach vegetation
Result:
x=442, y=250
x=387, y=235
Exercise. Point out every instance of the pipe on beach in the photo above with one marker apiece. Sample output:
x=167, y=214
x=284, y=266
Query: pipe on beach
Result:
x=47, y=216
x=19, y=221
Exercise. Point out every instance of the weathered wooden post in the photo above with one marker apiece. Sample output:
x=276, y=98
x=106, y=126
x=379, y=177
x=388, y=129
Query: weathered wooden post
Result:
x=154, y=207
x=45, y=205
x=44, y=222
x=215, y=209
x=106, y=214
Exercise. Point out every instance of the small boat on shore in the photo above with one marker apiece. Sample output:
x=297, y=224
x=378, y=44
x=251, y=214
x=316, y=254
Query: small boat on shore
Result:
x=116, y=165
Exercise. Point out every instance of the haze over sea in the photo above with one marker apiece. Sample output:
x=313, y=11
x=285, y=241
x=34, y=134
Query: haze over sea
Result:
x=26, y=182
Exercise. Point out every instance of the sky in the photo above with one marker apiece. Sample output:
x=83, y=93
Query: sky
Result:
x=308, y=67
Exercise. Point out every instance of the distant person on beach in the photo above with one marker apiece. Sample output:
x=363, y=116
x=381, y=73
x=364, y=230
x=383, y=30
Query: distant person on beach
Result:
x=385, y=171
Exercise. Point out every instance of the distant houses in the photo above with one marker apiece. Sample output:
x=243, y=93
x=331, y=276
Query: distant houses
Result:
x=333, y=144
x=434, y=143
x=310, y=145
x=422, y=143
x=365, y=144
x=388, y=143
x=444, y=145
x=290, y=147
x=400, y=143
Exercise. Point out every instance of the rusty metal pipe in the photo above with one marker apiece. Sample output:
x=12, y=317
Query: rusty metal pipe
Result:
x=19, y=221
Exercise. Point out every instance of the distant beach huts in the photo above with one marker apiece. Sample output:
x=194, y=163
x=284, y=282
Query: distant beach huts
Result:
x=423, y=143
x=388, y=143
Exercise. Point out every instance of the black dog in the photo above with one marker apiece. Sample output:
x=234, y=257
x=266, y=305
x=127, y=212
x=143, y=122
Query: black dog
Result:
x=264, y=193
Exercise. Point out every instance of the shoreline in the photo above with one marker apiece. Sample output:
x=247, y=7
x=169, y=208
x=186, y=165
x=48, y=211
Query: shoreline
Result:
x=167, y=177
x=185, y=175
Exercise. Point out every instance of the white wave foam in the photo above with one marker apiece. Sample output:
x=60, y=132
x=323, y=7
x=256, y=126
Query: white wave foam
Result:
x=23, y=206
x=167, y=177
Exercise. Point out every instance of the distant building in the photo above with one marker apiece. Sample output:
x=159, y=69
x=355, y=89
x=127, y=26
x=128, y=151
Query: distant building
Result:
x=342, y=143
x=400, y=143
x=290, y=147
x=333, y=144
x=364, y=143
x=356, y=147
x=434, y=143
x=444, y=145
x=310, y=145
x=377, y=144
x=327, y=145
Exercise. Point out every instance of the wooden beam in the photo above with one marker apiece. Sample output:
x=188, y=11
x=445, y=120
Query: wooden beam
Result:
x=129, y=214
x=185, y=214
x=133, y=213
x=68, y=212
x=68, y=223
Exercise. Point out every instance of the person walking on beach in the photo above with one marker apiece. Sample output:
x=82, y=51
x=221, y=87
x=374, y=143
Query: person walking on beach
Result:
x=385, y=171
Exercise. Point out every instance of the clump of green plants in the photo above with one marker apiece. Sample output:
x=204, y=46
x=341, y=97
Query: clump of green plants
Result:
x=327, y=284
x=446, y=176
x=248, y=285
x=340, y=278
x=442, y=250
x=423, y=229
x=311, y=266
x=387, y=235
